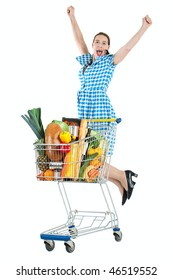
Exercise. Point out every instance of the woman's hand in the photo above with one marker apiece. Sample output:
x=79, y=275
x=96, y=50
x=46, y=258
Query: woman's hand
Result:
x=146, y=21
x=70, y=11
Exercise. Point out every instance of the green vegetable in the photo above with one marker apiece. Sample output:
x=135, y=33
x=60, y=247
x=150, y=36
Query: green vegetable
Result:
x=63, y=125
x=86, y=163
x=93, y=142
x=33, y=119
x=93, y=139
x=95, y=134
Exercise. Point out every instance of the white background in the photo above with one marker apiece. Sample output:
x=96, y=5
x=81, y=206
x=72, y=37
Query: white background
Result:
x=38, y=69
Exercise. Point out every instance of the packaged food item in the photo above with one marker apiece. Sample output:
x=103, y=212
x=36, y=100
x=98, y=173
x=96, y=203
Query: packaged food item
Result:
x=73, y=125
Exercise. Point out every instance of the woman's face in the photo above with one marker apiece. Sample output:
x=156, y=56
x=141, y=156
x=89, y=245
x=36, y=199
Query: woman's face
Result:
x=100, y=45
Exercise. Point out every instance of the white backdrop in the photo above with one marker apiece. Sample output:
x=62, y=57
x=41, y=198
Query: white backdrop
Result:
x=38, y=69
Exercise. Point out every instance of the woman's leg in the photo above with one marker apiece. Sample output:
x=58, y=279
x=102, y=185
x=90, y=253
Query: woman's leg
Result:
x=118, y=177
x=122, y=179
x=118, y=184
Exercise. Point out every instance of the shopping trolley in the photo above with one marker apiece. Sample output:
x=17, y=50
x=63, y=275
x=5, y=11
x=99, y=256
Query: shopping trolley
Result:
x=82, y=161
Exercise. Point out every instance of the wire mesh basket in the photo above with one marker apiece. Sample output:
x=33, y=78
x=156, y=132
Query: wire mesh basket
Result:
x=86, y=160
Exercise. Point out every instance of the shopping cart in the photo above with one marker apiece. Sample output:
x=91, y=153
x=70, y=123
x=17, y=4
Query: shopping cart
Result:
x=82, y=161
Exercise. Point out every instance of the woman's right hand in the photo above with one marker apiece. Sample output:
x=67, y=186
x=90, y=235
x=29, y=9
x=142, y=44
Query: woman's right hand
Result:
x=70, y=11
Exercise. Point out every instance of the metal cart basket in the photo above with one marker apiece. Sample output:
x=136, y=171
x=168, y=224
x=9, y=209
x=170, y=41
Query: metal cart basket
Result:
x=83, y=161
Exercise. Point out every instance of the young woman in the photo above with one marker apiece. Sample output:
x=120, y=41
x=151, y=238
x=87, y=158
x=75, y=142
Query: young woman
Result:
x=95, y=75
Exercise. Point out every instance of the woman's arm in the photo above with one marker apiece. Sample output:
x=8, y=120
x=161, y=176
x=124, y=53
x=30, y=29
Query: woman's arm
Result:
x=77, y=32
x=122, y=52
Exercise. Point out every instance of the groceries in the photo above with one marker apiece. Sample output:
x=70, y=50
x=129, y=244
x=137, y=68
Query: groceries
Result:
x=52, y=133
x=67, y=149
x=65, y=137
x=33, y=119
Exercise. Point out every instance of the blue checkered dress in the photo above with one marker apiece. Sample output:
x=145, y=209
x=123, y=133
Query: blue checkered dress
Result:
x=92, y=100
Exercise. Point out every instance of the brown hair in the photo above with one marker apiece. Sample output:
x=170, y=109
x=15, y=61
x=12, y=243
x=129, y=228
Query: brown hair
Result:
x=104, y=34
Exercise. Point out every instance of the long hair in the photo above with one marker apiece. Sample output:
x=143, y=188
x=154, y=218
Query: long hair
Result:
x=104, y=34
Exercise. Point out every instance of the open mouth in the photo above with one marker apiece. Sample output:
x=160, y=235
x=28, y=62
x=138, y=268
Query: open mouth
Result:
x=99, y=52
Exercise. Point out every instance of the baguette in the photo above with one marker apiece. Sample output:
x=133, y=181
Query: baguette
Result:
x=72, y=160
x=83, y=129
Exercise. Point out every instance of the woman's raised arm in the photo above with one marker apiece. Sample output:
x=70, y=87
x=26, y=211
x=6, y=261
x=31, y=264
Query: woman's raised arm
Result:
x=122, y=52
x=77, y=32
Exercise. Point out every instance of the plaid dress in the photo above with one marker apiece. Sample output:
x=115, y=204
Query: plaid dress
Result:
x=92, y=100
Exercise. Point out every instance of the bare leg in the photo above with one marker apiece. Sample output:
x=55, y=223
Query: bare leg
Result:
x=118, y=177
x=122, y=179
x=118, y=184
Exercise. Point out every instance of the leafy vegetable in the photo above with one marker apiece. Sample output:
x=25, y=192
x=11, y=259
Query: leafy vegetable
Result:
x=95, y=134
x=93, y=142
x=33, y=119
x=63, y=125
x=86, y=163
x=94, y=139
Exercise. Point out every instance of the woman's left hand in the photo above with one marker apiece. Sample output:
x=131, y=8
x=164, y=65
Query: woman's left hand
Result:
x=146, y=21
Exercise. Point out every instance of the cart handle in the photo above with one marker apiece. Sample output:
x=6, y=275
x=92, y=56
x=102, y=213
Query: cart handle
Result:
x=117, y=120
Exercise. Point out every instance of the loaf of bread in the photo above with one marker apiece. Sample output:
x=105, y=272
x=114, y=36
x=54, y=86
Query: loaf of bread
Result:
x=51, y=138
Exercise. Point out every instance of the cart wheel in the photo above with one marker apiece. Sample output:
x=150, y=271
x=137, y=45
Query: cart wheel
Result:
x=49, y=244
x=73, y=232
x=70, y=246
x=118, y=235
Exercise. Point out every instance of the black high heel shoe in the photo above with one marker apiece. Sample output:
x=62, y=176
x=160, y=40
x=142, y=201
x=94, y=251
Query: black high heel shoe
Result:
x=130, y=182
x=124, y=198
x=125, y=195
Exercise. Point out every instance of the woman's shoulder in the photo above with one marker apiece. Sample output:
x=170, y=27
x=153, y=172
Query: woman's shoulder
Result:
x=109, y=58
x=84, y=59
